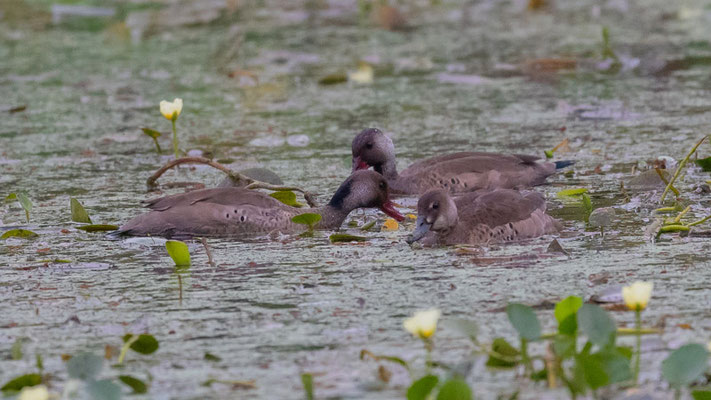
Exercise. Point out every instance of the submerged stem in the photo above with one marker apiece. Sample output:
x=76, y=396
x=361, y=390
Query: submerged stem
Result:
x=681, y=166
x=175, y=138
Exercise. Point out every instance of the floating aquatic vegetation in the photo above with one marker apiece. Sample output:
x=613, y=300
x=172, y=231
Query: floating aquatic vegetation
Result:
x=308, y=219
x=21, y=233
x=171, y=111
x=98, y=227
x=179, y=252
x=344, y=237
x=287, y=197
x=24, y=202
x=308, y=381
x=79, y=214
x=153, y=134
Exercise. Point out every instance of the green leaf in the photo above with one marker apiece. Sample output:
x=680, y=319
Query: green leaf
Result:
x=39, y=362
x=571, y=192
x=308, y=381
x=685, y=364
x=377, y=357
x=701, y=394
x=504, y=355
x=466, y=327
x=25, y=203
x=22, y=233
x=597, y=324
x=287, y=197
x=84, y=366
x=145, y=344
x=309, y=219
x=344, y=237
x=566, y=314
x=616, y=365
x=79, y=214
x=16, y=349
x=138, y=386
x=564, y=346
x=704, y=163
x=548, y=153
x=421, y=388
x=103, y=390
x=179, y=252
x=333, y=79
x=16, y=384
x=587, y=206
x=592, y=371
x=98, y=227
x=455, y=389
x=524, y=320
x=366, y=227
x=212, y=357
x=151, y=132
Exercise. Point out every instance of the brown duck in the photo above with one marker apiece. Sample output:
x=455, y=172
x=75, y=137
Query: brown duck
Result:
x=230, y=212
x=483, y=217
x=457, y=172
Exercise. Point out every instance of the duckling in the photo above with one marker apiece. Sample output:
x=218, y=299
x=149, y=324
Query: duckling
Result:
x=481, y=218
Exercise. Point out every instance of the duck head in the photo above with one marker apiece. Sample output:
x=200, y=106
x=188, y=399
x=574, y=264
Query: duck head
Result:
x=436, y=212
x=371, y=148
x=365, y=189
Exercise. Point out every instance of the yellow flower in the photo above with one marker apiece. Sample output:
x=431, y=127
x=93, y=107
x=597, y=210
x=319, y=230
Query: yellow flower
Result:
x=390, y=225
x=171, y=110
x=38, y=392
x=637, y=295
x=423, y=324
x=411, y=216
x=363, y=75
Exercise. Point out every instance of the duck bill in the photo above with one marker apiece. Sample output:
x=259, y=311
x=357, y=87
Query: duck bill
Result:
x=421, y=229
x=389, y=208
x=359, y=164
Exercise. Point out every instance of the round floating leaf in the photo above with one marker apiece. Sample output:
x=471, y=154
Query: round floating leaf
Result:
x=421, y=388
x=524, y=320
x=685, y=364
x=566, y=314
x=287, y=197
x=16, y=384
x=179, y=252
x=79, y=214
x=98, y=227
x=103, y=390
x=571, y=192
x=455, y=389
x=344, y=237
x=84, y=366
x=597, y=324
x=145, y=344
x=309, y=219
x=136, y=384
x=22, y=233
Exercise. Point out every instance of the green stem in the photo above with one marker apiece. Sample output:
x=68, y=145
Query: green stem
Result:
x=681, y=166
x=525, y=359
x=638, y=325
x=175, y=138
x=155, y=140
x=428, y=356
x=701, y=221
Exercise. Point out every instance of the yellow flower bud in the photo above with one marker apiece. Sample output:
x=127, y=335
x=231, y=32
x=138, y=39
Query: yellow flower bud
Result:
x=171, y=110
x=423, y=324
x=38, y=392
x=637, y=295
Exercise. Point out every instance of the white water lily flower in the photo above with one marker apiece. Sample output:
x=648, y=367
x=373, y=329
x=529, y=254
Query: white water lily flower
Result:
x=171, y=110
x=423, y=324
x=637, y=295
x=38, y=392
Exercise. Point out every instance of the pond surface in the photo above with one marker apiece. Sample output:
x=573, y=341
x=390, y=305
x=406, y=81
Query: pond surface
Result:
x=459, y=77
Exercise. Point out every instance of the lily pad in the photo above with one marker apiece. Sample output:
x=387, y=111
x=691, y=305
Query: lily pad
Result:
x=421, y=388
x=24, y=201
x=16, y=384
x=79, y=214
x=98, y=227
x=143, y=344
x=309, y=219
x=685, y=364
x=571, y=192
x=179, y=252
x=137, y=385
x=344, y=237
x=22, y=233
x=287, y=197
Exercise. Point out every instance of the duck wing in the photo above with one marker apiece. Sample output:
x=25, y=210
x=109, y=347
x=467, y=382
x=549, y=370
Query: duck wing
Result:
x=223, y=196
x=498, y=207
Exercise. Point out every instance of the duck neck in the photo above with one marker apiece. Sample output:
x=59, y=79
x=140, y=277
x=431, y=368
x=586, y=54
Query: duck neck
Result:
x=388, y=169
x=331, y=217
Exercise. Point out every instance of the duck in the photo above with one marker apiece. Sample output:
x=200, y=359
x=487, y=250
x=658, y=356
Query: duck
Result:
x=481, y=218
x=459, y=172
x=234, y=212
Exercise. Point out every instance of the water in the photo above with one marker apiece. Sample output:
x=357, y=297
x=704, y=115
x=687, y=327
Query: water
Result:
x=275, y=309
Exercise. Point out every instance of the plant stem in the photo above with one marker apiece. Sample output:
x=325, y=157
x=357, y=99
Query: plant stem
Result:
x=525, y=359
x=428, y=356
x=158, y=149
x=638, y=325
x=681, y=166
x=175, y=139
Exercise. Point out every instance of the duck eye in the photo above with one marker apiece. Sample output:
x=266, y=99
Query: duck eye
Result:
x=369, y=145
x=383, y=185
x=435, y=206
